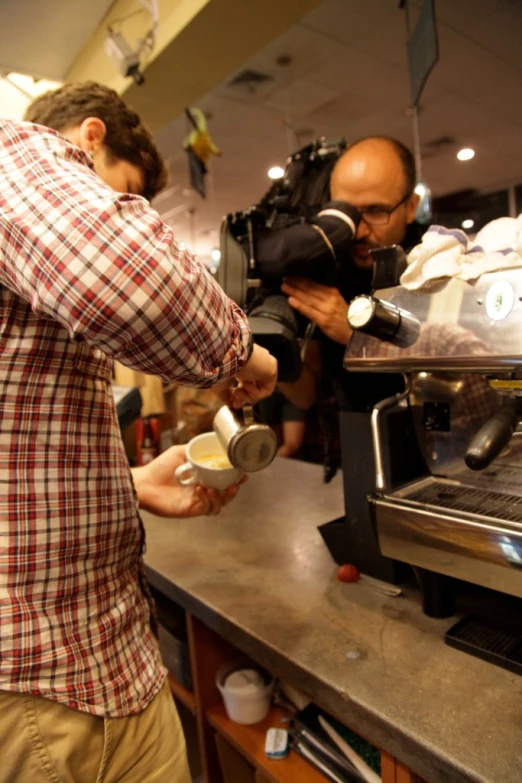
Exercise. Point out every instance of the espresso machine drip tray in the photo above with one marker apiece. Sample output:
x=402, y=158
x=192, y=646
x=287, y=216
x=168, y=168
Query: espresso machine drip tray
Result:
x=501, y=645
x=470, y=500
x=468, y=526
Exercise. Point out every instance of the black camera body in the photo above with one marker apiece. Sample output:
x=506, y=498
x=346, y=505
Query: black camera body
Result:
x=294, y=230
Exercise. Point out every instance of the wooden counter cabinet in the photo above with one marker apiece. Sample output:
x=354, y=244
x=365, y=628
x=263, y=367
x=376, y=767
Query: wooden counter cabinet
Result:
x=208, y=652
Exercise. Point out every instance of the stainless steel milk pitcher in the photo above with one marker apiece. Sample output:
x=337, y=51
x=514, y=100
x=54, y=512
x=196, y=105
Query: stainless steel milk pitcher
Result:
x=249, y=445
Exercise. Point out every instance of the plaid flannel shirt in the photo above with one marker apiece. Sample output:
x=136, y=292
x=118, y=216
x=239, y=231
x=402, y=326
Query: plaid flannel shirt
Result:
x=476, y=402
x=85, y=274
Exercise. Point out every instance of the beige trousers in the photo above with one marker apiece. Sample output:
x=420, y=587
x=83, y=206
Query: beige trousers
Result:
x=42, y=741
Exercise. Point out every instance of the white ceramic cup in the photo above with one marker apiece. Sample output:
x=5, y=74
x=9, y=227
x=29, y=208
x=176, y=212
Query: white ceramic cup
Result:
x=246, y=705
x=195, y=472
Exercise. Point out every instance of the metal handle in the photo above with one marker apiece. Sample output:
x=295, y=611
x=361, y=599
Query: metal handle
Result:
x=378, y=408
x=248, y=415
x=384, y=320
x=492, y=438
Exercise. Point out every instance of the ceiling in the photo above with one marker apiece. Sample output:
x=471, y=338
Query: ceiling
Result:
x=347, y=75
x=43, y=37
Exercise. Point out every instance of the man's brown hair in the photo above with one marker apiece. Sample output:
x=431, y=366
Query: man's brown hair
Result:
x=127, y=138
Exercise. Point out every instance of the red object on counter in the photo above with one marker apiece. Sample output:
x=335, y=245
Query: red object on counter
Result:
x=348, y=573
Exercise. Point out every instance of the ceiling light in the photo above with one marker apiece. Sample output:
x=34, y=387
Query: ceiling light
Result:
x=466, y=154
x=276, y=172
x=468, y=223
x=215, y=254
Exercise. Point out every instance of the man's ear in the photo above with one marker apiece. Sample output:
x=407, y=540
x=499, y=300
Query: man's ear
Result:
x=92, y=134
x=413, y=203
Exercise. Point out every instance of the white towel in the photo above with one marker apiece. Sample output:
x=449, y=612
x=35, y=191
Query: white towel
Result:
x=448, y=252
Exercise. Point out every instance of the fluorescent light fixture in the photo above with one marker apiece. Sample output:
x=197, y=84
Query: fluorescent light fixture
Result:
x=17, y=91
x=468, y=223
x=215, y=254
x=276, y=172
x=466, y=153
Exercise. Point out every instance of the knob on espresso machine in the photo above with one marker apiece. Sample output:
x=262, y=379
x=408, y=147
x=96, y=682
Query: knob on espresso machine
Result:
x=383, y=320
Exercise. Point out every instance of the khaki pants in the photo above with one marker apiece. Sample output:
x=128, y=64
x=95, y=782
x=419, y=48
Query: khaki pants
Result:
x=41, y=741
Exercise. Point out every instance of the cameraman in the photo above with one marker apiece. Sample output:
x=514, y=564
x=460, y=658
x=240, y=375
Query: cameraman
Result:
x=376, y=175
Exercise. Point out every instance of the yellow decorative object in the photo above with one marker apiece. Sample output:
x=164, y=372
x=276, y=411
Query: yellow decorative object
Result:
x=199, y=139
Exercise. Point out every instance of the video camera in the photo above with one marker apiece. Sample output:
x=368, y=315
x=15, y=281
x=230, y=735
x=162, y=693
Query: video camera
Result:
x=294, y=230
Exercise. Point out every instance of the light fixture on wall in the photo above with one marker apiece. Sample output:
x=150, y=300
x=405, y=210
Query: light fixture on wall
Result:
x=126, y=58
x=423, y=212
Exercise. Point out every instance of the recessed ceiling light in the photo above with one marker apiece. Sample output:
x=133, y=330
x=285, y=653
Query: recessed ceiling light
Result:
x=215, y=254
x=468, y=223
x=276, y=172
x=466, y=154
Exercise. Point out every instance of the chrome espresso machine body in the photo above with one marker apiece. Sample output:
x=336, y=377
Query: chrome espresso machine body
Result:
x=459, y=349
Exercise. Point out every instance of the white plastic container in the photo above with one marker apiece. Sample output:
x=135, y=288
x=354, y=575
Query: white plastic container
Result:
x=246, y=690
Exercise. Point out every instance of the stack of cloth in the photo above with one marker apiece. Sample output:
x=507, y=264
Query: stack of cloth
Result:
x=446, y=253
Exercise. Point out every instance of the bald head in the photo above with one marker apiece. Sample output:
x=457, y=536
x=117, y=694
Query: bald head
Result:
x=374, y=162
x=376, y=174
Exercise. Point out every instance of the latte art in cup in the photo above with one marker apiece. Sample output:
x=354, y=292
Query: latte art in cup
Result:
x=207, y=464
x=219, y=461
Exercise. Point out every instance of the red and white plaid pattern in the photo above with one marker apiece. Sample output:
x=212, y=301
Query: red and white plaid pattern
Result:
x=85, y=274
x=475, y=402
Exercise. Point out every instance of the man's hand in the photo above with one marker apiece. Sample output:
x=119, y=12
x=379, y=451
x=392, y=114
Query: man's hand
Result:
x=257, y=380
x=321, y=304
x=159, y=492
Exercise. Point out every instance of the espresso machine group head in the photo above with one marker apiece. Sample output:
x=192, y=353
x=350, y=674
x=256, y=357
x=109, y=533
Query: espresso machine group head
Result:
x=459, y=349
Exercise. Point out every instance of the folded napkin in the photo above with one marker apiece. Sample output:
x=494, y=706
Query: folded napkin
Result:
x=448, y=252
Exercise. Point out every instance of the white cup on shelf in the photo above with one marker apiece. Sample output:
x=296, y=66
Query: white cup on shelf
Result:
x=246, y=690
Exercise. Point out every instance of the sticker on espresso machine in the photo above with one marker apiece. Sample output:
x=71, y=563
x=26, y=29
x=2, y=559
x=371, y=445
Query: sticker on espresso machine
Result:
x=500, y=300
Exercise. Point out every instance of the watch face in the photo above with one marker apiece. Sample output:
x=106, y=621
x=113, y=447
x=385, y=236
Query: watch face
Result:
x=500, y=299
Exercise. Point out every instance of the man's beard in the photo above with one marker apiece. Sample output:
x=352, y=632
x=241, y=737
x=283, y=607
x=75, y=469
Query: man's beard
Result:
x=361, y=256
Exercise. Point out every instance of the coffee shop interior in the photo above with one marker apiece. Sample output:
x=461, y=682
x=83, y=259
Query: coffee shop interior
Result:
x=365, y=627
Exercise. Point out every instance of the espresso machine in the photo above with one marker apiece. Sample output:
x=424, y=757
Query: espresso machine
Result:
x=458, y=347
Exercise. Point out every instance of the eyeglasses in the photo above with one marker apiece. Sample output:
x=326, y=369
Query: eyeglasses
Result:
x=380, y=216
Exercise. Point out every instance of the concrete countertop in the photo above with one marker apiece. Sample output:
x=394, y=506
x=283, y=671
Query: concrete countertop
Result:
x=261, y=576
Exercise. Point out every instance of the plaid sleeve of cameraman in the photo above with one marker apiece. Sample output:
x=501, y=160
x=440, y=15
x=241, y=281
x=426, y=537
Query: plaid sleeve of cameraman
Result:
x=107, y=268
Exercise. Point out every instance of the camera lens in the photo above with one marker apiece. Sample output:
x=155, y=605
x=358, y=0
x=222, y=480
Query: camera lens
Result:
x=278, y=309
x=275, y=327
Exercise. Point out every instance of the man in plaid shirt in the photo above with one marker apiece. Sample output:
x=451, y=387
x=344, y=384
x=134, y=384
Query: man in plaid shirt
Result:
x=88, y=273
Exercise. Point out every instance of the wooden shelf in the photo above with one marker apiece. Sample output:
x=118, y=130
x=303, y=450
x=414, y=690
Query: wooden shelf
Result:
x=250, y=742
x=185, y=696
